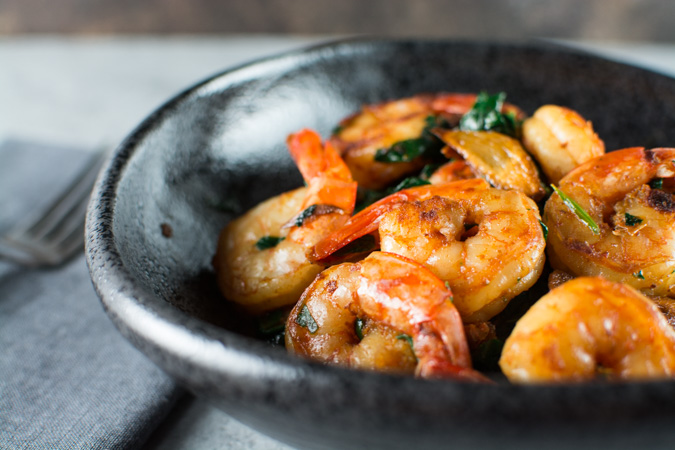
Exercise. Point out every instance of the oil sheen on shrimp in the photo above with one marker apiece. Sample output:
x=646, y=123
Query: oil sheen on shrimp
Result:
x=486, y=243
x=586, y=327
x=560, y=140
x=635, y=239
x=385, y=313
x=261, y=260
x=495, y=157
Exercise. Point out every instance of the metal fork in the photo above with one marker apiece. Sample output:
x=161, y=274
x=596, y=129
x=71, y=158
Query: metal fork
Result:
x=51, y=236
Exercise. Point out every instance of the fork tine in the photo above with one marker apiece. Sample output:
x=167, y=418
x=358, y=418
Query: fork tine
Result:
x=63, y=208
x=58, y=232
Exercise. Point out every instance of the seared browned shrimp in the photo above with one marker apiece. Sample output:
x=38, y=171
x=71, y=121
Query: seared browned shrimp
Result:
x=587, y=327
x=560, y=140
x=261, y=259
x=497, y=158
x=365, y=139
x=486, y=243
x=386, y=313
x=624, y=228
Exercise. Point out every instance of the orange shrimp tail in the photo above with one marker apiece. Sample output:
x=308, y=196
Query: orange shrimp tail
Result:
x=367, y=220
x=328, y=177
x=315, y=159
x=329, y=191
x=364, y=222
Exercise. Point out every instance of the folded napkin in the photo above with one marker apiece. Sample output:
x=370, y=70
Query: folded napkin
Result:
x=68, y=379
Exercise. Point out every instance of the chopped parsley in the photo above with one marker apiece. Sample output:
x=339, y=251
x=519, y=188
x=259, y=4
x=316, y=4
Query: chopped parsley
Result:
x=305, y=320
x=632, y=220
x=639, y=275
x=544, y=229
x=358, y=328
x=366, y=243
x=367, y=197
x=267, y=242
x=272, y=326
x=409, y=182
x=428, y=170
x=409, y=340
x=578, y=210
x=306, y=214
x=486, y=115
x=656, y=183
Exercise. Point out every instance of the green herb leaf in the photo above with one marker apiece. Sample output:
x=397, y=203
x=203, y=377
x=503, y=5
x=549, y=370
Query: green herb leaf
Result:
x=578, y=210
x=409, y=340
x=632, y=220
x=486, y=115
x=272, y=322
x=267, y=242
x=639, y=275
x=408, y=183
x=656, y=183
x=305, y=320
x=358, y=328
x=367, y=197
x=306, y=214
x=407, y=150
x=428, y=170
x=544, y=228
x=272, y=326
x=402, y=151
x=363, y=244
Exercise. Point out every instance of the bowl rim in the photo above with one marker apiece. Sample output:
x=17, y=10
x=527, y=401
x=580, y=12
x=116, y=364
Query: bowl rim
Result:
x=141, y=316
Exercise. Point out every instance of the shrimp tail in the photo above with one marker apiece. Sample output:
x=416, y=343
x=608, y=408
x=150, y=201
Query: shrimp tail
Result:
x=367, y=220
x=362, y=223
x=328, y=177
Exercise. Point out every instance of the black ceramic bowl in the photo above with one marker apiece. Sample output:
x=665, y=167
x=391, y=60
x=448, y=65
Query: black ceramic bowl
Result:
x=218, y=148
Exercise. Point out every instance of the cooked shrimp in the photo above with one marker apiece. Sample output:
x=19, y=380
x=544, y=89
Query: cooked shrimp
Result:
x=261, y=259
x=369, y=314
x=634, y=241
x=453, y=170
x=486, y=243
x=496, y=157
x=377, y=127
x=589, y=326
x=667, y=307
x=560, y=140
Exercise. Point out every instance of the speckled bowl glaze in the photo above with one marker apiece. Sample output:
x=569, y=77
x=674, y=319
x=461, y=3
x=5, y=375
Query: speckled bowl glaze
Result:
x=218, y=148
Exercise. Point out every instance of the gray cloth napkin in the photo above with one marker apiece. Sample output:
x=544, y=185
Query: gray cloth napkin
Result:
x=68, y=379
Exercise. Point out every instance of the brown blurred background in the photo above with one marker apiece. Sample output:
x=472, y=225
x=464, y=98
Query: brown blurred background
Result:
x=645, y=20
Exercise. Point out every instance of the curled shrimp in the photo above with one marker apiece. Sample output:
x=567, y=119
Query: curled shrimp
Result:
x=560, y=140
x=633, y=237
x=486, y=243
x=384, y=312
x=586, y=327
x=261, y=260
x=377, y=127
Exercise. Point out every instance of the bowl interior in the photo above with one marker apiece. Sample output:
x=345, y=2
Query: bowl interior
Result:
x=218, y=148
